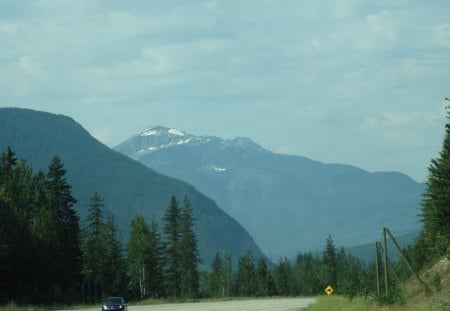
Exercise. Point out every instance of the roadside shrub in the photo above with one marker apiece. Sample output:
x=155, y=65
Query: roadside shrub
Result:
x=436, y=281
x=396, y=296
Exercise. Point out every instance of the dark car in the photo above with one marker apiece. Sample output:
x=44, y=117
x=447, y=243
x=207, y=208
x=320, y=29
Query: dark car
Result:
x=114, y=304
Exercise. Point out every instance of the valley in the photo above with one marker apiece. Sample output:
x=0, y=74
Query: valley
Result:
x=299, y=200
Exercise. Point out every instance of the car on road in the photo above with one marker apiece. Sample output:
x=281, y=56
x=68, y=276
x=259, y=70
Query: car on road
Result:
x=114, y=304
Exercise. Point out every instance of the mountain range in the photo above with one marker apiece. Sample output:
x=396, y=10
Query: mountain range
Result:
x=287, y=203
x=127, y=187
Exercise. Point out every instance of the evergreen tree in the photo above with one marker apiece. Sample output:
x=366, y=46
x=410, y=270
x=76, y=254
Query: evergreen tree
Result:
x=40, y=255
x=215, y=277
x=94, y=247
x=189, y=253
x=155, y=275
x=434, y=239
x=172, y=232
x=283, y=278
x=350, y=275
x=17, y=275
x=57, y=232
x=115, y=266
x=264, y=280
x=227, y=278
x=330, y=261
x=308, y=271
x=67, y=244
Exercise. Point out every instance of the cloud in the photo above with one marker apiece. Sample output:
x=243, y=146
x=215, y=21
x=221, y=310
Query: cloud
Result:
x=316, y=73
x=389, y=119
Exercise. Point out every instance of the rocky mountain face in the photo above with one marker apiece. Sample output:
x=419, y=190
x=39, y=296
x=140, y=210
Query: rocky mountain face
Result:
x=127, y=187
x=287, y=203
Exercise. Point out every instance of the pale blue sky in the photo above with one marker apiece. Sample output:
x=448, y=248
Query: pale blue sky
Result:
x=355, y=82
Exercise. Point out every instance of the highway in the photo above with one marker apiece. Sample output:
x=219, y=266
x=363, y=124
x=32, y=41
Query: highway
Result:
x=269, y=304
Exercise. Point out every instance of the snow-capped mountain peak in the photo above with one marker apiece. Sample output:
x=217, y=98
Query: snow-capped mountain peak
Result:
x=157, y=138
x=159, y=130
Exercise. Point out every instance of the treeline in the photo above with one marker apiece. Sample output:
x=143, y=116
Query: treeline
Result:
x=40, y=253
x=307, y=275
x=150, y=266
x=48, y=256
x=434, y=239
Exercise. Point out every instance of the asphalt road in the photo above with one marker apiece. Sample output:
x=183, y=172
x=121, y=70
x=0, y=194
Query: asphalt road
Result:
x=276, y=304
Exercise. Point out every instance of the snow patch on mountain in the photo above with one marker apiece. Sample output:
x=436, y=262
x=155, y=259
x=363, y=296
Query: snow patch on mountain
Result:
x=149, y=132
x=157, y=138
x=176, y=132
x=218, y=169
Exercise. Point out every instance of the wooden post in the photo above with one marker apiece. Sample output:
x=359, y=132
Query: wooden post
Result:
x=386, y=282
x=377, y=268
x=427, y=289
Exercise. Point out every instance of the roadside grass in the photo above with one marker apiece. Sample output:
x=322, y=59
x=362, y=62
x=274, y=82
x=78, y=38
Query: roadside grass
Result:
x=338, y=303
x=13, y=307
x=412, y=296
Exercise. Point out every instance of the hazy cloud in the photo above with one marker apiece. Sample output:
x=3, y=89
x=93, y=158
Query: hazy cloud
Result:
x=300, y=77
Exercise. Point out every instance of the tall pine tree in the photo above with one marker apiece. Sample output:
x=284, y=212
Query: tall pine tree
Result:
x=330, y=262
x=189, y=253
x=114, y=265
x=172, y=232
x=58, y=230
x=155, y=277
x=94, y=248
x=215, y=277
x=17, y=273
x=434, y=239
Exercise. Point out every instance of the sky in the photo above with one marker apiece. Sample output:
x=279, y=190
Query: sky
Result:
x=353, y=82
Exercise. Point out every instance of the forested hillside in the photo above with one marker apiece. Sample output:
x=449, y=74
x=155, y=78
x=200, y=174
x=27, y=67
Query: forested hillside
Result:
x=298, y=196
x=128, y=187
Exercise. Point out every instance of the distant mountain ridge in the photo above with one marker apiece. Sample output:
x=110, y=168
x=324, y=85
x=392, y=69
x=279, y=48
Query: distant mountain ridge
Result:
x=287, y=203
x=159, y=137
x=128, y=187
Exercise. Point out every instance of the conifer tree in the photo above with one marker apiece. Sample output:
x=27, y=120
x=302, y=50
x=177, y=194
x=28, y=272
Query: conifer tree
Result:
x=350, y=275
x=94, y=247
x=155, y=275
x=17, y=274
x=227, y=278
x=215, y=277
x=263, y=279
x=40, y=255
x=330, y=261
x=283, y=278
x=115, y=266
x=189, y=253
x=172, y=232
x=309, y=274
x=434, y=239
x=60, y=229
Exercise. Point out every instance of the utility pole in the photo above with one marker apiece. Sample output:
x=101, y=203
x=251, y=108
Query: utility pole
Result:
x=386, y=285
x=427, y=289
x=377, y=268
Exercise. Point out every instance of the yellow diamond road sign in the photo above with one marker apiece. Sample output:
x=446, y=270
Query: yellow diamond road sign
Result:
x=329, y=290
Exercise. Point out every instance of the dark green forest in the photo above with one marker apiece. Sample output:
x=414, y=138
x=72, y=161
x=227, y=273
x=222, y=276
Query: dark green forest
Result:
x=126, y=186
x=48, y=255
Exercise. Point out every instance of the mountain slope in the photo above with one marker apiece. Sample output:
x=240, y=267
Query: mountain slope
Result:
x=287, y=203
x=127, y=186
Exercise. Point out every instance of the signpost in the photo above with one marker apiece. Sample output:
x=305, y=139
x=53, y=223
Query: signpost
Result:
x=329, y=290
